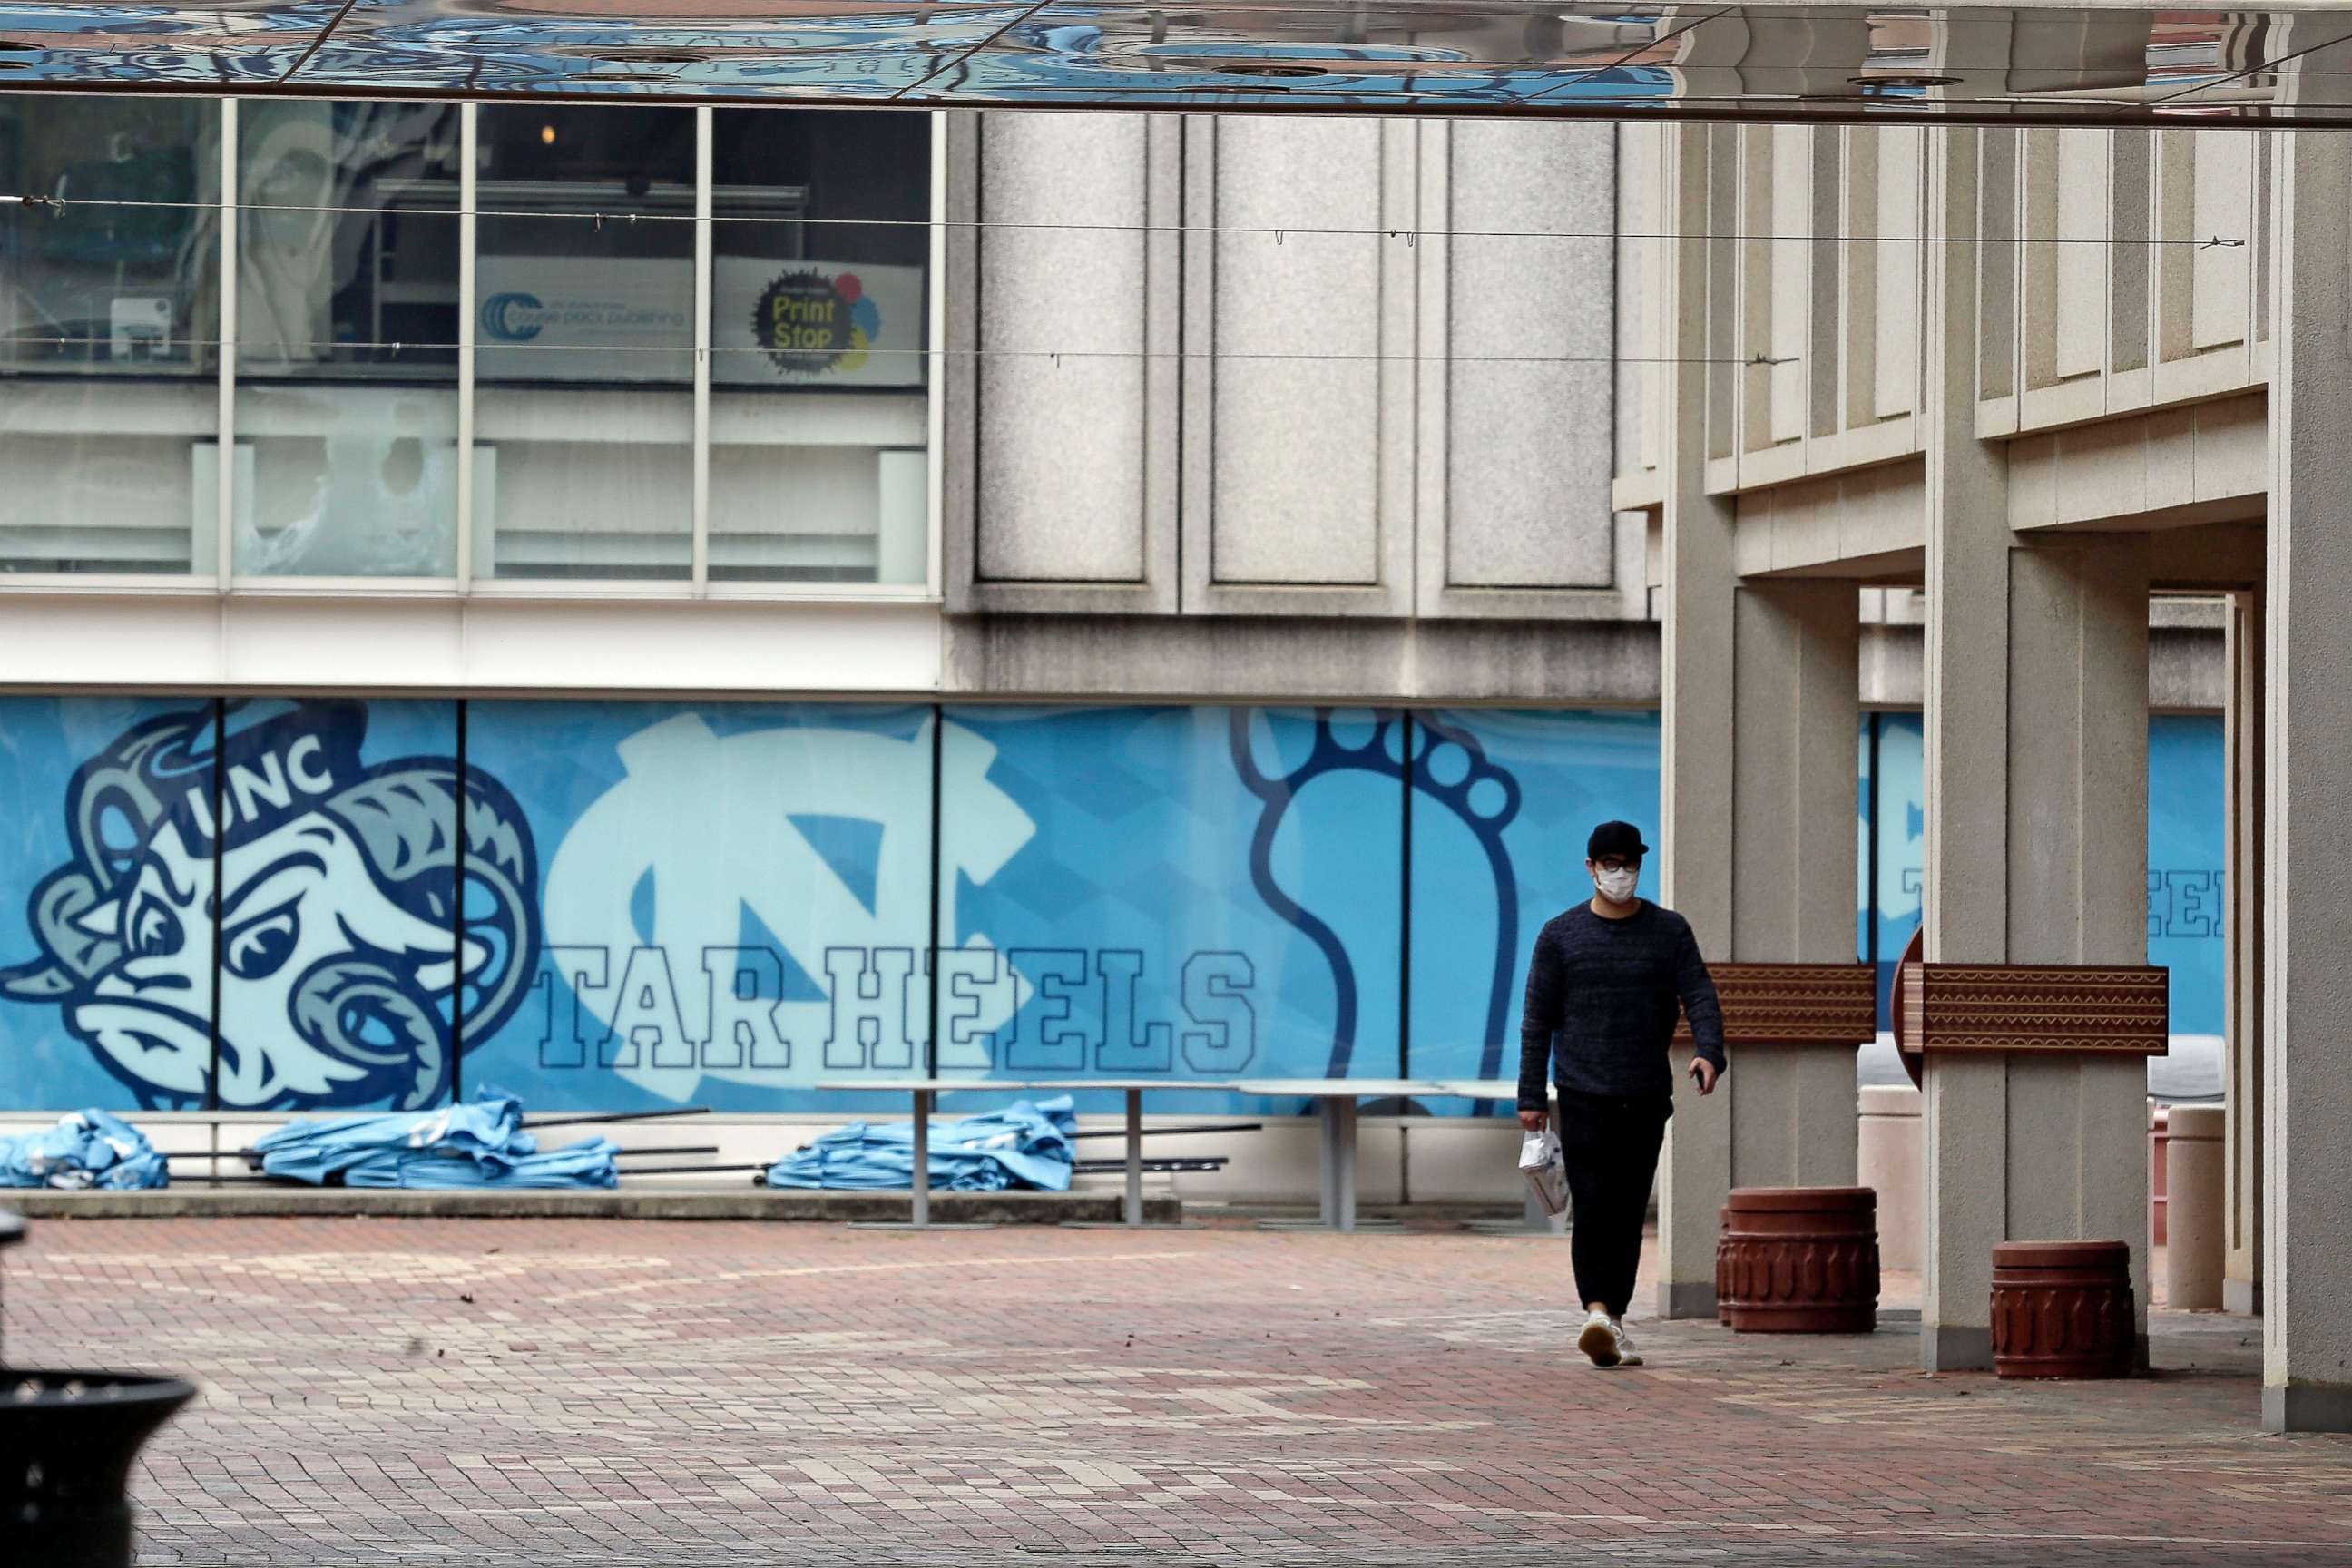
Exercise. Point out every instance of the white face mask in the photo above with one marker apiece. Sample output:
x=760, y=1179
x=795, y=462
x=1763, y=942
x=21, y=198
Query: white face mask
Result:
x=1617, y=887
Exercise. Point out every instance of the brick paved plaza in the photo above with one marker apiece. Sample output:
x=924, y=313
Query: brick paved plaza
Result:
x=551, y=1393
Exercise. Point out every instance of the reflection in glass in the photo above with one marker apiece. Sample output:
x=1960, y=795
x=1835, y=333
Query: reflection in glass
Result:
x=584, y=311
x=820, y=288
x=109, y=308
x=347, y=322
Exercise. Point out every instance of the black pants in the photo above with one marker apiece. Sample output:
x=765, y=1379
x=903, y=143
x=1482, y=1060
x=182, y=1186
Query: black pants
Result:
x=1610, y=1146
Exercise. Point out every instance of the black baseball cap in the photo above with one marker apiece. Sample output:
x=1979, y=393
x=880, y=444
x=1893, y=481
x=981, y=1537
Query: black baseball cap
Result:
x=1615, y=839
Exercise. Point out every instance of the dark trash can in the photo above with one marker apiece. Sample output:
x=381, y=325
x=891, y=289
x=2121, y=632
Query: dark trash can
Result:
x=68, y=1440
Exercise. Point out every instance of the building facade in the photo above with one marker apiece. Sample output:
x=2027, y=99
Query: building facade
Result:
x=698, y=603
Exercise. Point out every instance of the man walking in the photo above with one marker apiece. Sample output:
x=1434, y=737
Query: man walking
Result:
x=1604, y=988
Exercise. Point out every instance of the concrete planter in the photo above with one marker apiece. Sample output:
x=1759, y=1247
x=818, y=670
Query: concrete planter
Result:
x=1802, y=1260
x=2062, y=1308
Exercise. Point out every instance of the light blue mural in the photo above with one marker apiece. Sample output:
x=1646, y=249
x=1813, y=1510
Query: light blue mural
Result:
x=305, y=853
x=735, y=898
x=1504, y=801
x=2187, y=841
x=2186, y=836
x=729, y=904
x=1199, y=892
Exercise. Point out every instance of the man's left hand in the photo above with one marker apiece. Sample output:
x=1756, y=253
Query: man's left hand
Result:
x=1703, y=1073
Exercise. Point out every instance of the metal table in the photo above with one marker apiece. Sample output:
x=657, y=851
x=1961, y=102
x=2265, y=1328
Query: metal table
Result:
x=924, y=1090
x=1336, y=1100
x=1134, y=1089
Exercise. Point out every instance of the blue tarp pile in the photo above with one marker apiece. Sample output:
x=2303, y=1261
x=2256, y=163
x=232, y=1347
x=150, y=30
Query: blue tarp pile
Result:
x=86, y=1149
x=479, y=1144
x=1023, y=1145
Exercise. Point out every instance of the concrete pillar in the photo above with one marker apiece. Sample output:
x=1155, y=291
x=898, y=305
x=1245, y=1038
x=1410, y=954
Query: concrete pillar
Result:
x=1966, y=894
x=1887, y=1156
x=2242, y=1278
x=1695, y=782
x=2037, y=824
x=2307, y=785
x=1758, y=790
x=2193, y=1214
x=1795, y=712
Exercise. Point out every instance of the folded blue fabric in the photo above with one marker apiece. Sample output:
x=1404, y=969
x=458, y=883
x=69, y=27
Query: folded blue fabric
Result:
x=85, y=1149
x=478, y=1144
x=1023, y=1145
x=587, y=1163
x=322, y=1149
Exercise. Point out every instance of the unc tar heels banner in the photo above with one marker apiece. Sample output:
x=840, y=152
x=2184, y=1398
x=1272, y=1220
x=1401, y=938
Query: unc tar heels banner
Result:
x=295, y=905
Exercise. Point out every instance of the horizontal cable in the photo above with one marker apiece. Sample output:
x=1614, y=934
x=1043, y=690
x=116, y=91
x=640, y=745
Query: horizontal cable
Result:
x=58, y=204
x=275, y=346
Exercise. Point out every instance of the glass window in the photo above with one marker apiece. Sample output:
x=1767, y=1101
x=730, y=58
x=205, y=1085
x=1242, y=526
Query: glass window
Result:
x=109, y=312
x=347, y=332
x=819, y=289
x=584, y=309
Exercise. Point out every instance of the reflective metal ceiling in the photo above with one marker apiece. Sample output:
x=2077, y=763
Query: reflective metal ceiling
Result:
x=2105, y=65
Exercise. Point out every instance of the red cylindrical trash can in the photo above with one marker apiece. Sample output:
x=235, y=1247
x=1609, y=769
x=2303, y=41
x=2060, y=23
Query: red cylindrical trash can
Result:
x=1802, y=1260
x=2062, y=1308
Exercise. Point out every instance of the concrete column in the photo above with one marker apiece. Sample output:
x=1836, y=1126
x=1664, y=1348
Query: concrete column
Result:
x=1887, y=1160
x=2241, y=1274
x=1795, y=712
x=2037, y=824
x=1758, y=782
x=1964, y=905
x=2307, y=785
x=2193, y=1212
x=1694, y=784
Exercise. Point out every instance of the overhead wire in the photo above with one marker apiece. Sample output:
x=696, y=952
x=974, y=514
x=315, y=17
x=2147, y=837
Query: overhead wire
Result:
x=276, y=348
x=55, y=206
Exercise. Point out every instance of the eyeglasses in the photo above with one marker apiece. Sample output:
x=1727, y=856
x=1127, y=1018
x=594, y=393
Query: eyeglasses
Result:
x=1617, y=863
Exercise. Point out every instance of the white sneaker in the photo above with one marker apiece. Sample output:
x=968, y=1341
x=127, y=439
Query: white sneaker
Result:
x=1626, y=1356
x=1601, y=1341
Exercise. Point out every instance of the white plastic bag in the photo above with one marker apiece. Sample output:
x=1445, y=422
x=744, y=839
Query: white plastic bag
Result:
x=1545, y=1172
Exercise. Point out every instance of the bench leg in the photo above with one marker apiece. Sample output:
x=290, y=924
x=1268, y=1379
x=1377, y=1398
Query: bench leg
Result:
x=1133, y=1212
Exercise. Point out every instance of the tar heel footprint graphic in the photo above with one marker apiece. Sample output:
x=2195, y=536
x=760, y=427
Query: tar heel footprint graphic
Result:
x=1451, y=770
x=338, y=889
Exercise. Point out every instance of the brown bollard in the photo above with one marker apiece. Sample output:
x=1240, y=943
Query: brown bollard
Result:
x=2062, y=1308
x=1803, y=1260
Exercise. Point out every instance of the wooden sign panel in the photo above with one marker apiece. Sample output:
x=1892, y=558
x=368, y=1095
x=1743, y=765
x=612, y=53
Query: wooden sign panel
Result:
x=2035, y=1007
x=1793, y=1004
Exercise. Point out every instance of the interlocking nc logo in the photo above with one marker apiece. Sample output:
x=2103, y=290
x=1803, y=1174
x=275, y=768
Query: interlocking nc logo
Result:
x=667, y=997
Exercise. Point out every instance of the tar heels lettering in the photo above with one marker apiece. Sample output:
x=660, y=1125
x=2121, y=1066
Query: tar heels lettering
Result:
x=643, y=1010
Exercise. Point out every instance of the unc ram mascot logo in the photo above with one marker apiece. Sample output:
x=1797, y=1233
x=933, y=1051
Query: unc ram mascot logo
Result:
x=339, y=886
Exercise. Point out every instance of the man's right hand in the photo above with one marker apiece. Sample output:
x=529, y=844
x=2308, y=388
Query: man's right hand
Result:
x=1533, y=1120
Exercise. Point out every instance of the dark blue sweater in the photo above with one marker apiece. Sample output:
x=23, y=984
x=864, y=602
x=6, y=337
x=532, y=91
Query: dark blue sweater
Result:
x=1601, y=1000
